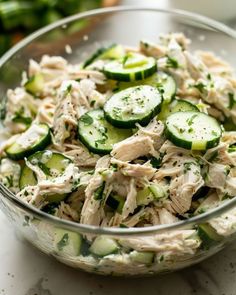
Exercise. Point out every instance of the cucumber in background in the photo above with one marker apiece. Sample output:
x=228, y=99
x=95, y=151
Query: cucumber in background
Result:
x=19, y=18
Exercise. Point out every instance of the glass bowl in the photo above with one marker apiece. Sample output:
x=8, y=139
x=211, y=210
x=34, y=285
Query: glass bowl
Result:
x=175, y=245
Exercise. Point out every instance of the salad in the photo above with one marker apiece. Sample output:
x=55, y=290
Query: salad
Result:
x=130, y=137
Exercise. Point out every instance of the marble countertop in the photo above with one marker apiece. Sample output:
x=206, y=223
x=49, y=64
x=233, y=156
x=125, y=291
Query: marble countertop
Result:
x=26, y=271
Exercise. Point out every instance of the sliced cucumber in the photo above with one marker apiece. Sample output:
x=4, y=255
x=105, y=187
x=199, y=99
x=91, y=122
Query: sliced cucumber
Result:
x=132, y=67
x=36, y=138
x=176, y=106
x=67, y=242
x=163, y=81
x=116, y=203
x=35, y=84
x=97, y=134
x=142, y=257
x=193, y=130
x=208, y=235
x=113, y=51
x=133, y=105
x=103, y=246
x=52, y=164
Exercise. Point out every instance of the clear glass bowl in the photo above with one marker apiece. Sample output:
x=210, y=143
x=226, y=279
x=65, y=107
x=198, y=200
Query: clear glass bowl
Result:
x=84, y=32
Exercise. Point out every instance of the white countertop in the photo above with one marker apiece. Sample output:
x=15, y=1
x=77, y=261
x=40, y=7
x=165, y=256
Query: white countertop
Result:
x=26, y=271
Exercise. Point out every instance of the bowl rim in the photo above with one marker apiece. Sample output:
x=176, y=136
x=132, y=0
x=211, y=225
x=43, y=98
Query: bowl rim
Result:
x=71, y=225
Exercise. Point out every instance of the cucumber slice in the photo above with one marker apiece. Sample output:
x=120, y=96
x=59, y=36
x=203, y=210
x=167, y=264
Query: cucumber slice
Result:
x=133, y=105
x=142, y=257
x=116, y=203
x=67, y=242
x=103, y=246
x=52, y=164
x=193, y=130
x=36, y=138
x=35, y=84
x=208, y=235
x=130, y=68
x=113, y=51
x=97, y=134
x=176, y=106
x=163, y=81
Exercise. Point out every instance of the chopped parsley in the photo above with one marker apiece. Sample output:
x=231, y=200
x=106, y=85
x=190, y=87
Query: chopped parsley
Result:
x=20, y=118
x=172, y=63
x=156, y=162
x=190, y=120
x=86, y=119
x=100, y=141
x=231, y=100
x=187, y=166
x=98, y=193
x=213, y=156
x=200, y=87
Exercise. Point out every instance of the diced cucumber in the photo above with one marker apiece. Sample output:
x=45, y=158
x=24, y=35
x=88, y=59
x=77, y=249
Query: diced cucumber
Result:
x=163, y=81
x=139, y=68
x=142, y=257
x=103, y=246
x=52, y=164
x=35, y=84
x=176, y=106
x=153, y=192
x=208, y=235
x=116, y=203
x=158, y=191
x=144, y=197
x=36, y=138
x=113, y=51
x=97, y=134
x=193, y=130
x=137, y=104
x=67, y=242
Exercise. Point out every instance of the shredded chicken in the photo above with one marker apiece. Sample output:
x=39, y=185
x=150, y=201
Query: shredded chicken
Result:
x=144, y=142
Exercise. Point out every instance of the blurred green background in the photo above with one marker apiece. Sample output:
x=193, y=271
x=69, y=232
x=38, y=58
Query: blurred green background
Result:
x=21, y=17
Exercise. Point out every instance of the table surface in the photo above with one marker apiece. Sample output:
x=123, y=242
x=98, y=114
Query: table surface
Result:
x=26, y=271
